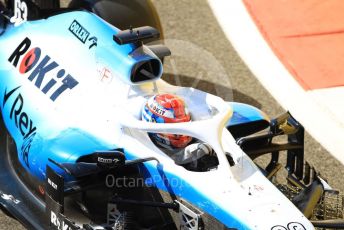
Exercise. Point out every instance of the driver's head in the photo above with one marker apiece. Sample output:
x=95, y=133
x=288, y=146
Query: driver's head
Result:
x=167, y=108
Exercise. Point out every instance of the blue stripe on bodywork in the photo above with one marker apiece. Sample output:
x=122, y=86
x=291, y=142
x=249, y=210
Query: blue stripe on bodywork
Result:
x=243, y=113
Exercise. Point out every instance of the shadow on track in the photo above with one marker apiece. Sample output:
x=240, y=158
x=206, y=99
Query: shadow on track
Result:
x=212, y=88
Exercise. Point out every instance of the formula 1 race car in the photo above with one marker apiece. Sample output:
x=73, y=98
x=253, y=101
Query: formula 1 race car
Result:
x=76, y=153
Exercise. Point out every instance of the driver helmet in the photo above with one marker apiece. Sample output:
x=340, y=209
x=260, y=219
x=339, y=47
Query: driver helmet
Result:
x=167, y=108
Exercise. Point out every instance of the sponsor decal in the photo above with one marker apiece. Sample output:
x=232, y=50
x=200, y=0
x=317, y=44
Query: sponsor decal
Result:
x=94, y=41
x=103, y=72
x=41, y=190
x=82, y=34
x=290, y=226
x=109, y=159
x=105, y=75
x=156, y=108
x=9, y=198
x=106, y=161
x=20, y=13
x=296, y=226
x=22, y=121
x=79, y=31
x=61, y=223
x=39, y=67
x=278, y=227
x=52, y=184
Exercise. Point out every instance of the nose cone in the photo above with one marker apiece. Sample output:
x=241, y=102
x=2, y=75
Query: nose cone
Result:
x=254, y=201
x=277, y=216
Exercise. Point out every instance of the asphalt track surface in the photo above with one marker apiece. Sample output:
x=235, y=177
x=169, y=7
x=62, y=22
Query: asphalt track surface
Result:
x=193, y=21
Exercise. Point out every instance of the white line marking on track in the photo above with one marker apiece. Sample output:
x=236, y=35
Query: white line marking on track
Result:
x=242, y=32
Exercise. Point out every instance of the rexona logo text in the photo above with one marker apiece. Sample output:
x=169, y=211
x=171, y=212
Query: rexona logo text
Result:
x=40, y=67
x=22, y=121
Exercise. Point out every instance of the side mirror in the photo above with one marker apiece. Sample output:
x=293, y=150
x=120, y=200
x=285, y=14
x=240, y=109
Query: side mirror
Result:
x=136, y=35
x=160, y=51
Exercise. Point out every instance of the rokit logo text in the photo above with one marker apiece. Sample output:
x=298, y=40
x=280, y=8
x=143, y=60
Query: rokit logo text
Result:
x=31, y=61
x=60, y=223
